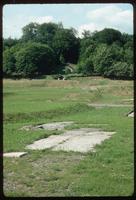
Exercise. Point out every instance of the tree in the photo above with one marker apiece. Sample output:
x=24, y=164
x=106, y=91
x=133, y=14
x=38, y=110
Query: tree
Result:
x=47, y=48
x=63, y=41
x=86, y=34
x=101, y=59
x=105, y=56
x=30, y=32
x=108, y=36
x=128, y=55
x=46, y=32
x=126, y=38
x=87, y=49
x=9, y=61
x=35, y=59
x=9, y=42
x=66, y=45
x=86, y=67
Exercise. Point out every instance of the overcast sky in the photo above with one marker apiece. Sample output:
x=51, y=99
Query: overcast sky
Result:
x=79, y=16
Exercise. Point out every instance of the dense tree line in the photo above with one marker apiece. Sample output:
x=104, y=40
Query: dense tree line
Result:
x=47, y=49
x=108, y=53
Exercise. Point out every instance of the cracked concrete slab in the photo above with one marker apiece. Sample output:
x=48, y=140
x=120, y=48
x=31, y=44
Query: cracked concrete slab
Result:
x=83, y=140
x=49, y=142
x=81, y=144
x=14, y=154
x=79, y=140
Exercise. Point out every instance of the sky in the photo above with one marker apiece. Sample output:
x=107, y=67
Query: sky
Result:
x=92, y=17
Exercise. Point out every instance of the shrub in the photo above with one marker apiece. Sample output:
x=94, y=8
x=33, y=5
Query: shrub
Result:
x=121, y=70
x=86, y=67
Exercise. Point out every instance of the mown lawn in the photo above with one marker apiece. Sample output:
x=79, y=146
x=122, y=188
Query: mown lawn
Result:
x=107, y=172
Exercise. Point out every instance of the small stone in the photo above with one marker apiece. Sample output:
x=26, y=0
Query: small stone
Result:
x=131, y=114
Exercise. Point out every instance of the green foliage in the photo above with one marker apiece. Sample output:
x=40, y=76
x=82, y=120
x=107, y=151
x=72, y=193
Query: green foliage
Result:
x=8, y=62
x=95, y=53
x=86, y=67
x=101, y=59
x=35, y=59
x=63, y=41
x=121, y=70
x=87, y=47
x=30, y=32
x=9, y=42
x=66, y=45
x=127, y=40
x=73, y=75
x=107, y=36
x=128, y=55
x=105, y=54
x=42, y=33
x=86, y=34
x=46, y=32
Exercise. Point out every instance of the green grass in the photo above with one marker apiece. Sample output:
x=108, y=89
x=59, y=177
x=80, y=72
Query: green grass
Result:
x=107, y=172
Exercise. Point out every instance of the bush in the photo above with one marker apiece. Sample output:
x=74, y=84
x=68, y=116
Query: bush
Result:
x=86, y=67
x=121, y=70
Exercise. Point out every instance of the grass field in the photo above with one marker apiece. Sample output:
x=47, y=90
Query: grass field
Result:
x=107, y=172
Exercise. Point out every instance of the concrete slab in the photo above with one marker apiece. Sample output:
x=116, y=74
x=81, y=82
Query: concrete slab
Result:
x=49, y=126
x=47, y=142
x=79, y=140
x=55, y=125
x=82, y=143
x=14, y=154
